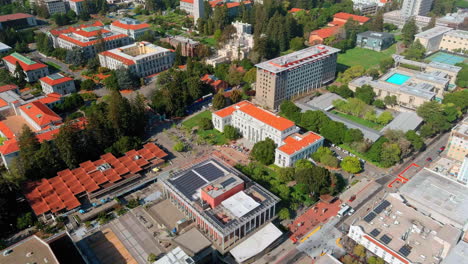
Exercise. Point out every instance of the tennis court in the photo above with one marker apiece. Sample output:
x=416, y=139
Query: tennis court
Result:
x=447, y=58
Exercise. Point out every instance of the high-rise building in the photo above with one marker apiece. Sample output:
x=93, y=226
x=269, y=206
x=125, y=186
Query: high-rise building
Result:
x=300, y=72
x=411, y=8
x=198, y=9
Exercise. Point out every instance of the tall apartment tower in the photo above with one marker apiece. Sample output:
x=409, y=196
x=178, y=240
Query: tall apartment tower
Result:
x=416, y=7
x=198, y=10
x=300, y=72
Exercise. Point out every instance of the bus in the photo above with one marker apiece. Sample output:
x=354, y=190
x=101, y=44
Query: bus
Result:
x=344, y=209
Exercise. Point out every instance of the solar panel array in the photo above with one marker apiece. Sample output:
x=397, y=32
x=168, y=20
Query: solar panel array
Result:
x=385, y=239
x=405, y=250
x=368, y=218
x=209, y=171
x=227, y=182
x=375, y=232
x=382, y=206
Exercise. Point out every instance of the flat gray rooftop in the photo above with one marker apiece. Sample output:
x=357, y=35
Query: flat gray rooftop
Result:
x=325, y=101
x=433, y=32
x=459, y=254
x=404, y=121
x=442, y=198
x=193, y=240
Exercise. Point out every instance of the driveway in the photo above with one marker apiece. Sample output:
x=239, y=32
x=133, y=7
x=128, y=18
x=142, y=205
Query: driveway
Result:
x=63, y=66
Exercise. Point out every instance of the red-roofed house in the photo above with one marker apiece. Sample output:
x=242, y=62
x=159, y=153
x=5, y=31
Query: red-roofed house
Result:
x=38, y=115
x=214, y=82
x=93, y=181
x=57, y=83
x=32, y=69
x=9, y=87
x=341, y=18
x=86, y=37
x=254, y=123
x=17, y=20
x=296, y=147
x=51, y=99
x=233, y=7
x=319, y=35
x=295, y=10
x=129, y=26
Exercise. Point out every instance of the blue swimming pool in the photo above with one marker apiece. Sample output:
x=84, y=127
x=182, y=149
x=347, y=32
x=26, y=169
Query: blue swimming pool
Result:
x=398, y=79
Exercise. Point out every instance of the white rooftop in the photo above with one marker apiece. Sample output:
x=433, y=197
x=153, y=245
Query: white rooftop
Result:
x=256, y=243
x=459, y=254
x=4, y=47
x=435, y=31
x=404, y=121
x=240, y=204
x=175, y=256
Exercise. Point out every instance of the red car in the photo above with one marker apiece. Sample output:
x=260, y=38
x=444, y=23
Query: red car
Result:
x=441, y=149
x=429, y=159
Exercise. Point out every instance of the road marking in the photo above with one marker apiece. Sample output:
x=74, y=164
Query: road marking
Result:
x=310, y=234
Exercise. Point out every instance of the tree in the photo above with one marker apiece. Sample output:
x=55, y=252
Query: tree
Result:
x=458, y=99
x=415, y=52
x=462, y=76
x=179, y=146
x=289, y=110
x=431, y=24
x=416, y=141
x=124, y=144
x=25, y=221
x=386, y=64
x=219, y=101
x=111, y=82
x=378, y=22
x=284, y=214
x=353, y=135
x=375, y=260
x=330, y=161
x=8, y=208
x=342, y=90
x=408, y=31
x=351, y=73
x=20, y=75
x=379, y=104
x=351, y=164
x=296, y=43
x=28, y=145
x=360, y=251
x=333, y=131
x=313, y=120
x=152, y=258
x=125, y=79
x=236, y=96
x=365, y=93
x=321, y=151
x=385, y=118
x=390, y=154
x=75, y=57
x=47, y=161
x=119, y=114
x=70, y=145
x=250, y=76
x=390, y=100
x=286, y=175
x=205, y=124
x=231, y=132
x=316, y=179
x=87, y=85
x=264, y=151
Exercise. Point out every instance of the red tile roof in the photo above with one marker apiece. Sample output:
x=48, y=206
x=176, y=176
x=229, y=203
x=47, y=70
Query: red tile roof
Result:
x=294, y=10
x=187, y=1
x=53, y=82
x=16, y=16
x=26, y=67
x=92, y=42
x=40, y=113
x=8, y=87
x=6, y=130
x=297, y=142
x=3, y=103
x=258, y=113
x=326, y=32
x=119, y=24
x=50, y=98
x=59, y=193
x=12, y=146
x=117, y=57
x=347, y=16
x=71, y=29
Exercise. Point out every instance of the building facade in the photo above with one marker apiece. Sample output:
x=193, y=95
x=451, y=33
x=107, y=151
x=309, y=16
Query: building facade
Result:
x=39, y=116
x=432, y=38
x=411, y=8
x=455, y=41
x=463, y=172
x=377, y=41
x=76, y=6
x=17, y=20
x=224, y=204
x=187, y=6
x=254, y=123
x=297, y=73
x=131, y=27
x=457, y=144
x=188, y=47
x=141, y=58
x=57, y=83
x=296, y=147
x=32, y=69
x=55, y=7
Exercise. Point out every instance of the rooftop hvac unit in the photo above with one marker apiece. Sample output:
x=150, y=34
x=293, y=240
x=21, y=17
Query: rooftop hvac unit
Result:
x=422, y=256
x=396, y=223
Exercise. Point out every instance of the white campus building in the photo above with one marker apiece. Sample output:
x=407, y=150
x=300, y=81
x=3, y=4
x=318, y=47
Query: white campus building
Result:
x=32, y=69
x=55, y=7
x=141, y=58
x=131, y=27
x=57, y=83
x=256, y=124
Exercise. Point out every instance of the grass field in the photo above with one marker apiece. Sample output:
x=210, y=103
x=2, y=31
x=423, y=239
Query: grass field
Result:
x=194, y=121
x=462, y=4
x=53, y=65
x=208, y=41
x=365, y=57
x=359, y=120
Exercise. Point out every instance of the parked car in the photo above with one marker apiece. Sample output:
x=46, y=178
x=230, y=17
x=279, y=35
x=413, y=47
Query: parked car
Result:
x=429, y=159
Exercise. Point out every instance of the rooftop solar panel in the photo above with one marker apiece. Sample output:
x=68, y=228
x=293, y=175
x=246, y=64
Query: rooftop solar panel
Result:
x=382, y=206
x=227, y=182
x=368, y=218
x=405, y=250
x=375, y=232
x=385, y=239
x=188, y=183
x=209, y=171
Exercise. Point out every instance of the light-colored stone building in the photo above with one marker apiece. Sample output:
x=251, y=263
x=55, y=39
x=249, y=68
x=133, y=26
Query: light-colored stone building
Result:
x=76, y=6
x=432, y=38
x=411, y=8
x=32, y=69
x=141, y=58
x=57, y=83
x=455, y=41
x=294, y=74
x=457, y=144
x=296, y=147
x=131, y=27
x=55, y=7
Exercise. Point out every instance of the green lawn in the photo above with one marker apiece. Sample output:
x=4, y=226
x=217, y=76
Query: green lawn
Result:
x=360, y=155
x=53, y=65
x=359, y=120
x=194, y=121
x=461, y=4
x=208, y=41
x=365, y=57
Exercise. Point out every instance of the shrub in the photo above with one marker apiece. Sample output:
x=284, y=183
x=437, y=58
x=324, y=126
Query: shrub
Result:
x=231, y=132
x=206, y=124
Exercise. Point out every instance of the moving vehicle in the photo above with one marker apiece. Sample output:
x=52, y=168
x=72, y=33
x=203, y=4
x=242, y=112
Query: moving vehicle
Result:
x=429, y=159
x=344, y=209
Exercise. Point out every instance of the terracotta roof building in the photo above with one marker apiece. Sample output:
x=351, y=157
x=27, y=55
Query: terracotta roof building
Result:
x=296, y=147
x=86, y=37
x=57, y=83
x=214, y=82
x=131, y=27
x=91, y=181
x=341, y=18
x=32, y=69
x=141, y=58
x=39, y=116
x=318, y=36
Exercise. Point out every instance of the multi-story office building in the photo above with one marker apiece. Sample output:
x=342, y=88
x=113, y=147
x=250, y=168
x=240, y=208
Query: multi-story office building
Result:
x=32, y=69
x=90, y=39
x=411, y=8
x=187, y=6
x=141, y=58
x=55, y=7
x=131, y=27
x=400, y=234
x=431, y=38
x=457, y=144
x=77, y=6
x=17, y=20
x=57, y=83
x=455, y=41
x=297, y=73
x=188, y=47
x=223, y=203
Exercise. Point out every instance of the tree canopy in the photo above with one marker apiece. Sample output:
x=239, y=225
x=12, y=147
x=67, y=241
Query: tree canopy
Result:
x=264, y=151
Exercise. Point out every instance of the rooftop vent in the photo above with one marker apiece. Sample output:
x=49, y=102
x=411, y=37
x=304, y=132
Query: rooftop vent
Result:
x=104, y=167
